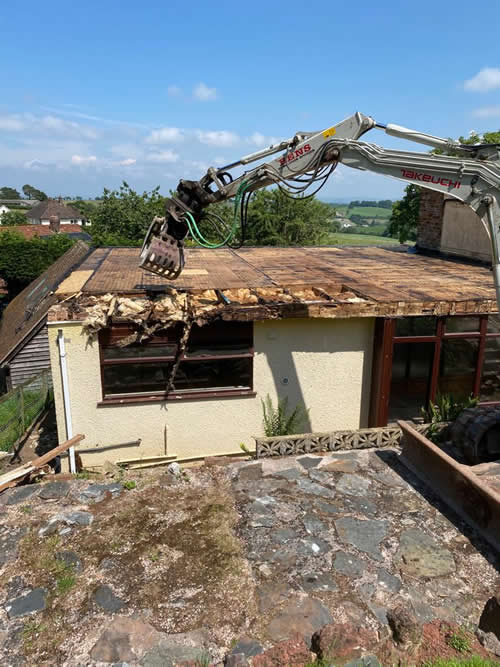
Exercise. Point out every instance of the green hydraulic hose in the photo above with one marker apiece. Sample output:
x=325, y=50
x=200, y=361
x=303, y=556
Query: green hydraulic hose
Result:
x=195, y=231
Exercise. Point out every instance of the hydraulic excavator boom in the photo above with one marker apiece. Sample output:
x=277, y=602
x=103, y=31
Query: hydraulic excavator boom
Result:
x=471, y=175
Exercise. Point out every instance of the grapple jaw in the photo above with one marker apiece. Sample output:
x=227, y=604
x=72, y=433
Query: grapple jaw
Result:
x=163, y=248
x=162, y=253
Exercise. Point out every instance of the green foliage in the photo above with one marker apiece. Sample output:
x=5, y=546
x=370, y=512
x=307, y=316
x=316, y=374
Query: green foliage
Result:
x=446, y=408
x=22, y=260
x=471, y=140
x=32, y=193
x=9, y=193
x=123, y=216
x=65, y=583
x=275, y=219
x=129, y=484
x=86, y=208
x=471, y=661
x=15, y=217
x=277, y=421
x=404, y=218
x=459, y=641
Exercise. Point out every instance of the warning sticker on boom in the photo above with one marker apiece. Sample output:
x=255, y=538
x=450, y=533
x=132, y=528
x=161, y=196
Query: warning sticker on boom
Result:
x=329, y=132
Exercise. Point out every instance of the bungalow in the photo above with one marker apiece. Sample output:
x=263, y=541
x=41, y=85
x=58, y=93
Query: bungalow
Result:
x=359, y=336
x=42, y=212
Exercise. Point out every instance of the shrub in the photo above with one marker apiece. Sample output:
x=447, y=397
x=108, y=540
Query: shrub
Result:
x=277, y=421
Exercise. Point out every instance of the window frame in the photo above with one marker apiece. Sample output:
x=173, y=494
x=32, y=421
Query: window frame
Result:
x=384, y=340
x=117, y=331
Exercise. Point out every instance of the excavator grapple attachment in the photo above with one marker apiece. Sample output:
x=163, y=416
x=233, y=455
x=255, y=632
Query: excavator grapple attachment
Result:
x=161, y=252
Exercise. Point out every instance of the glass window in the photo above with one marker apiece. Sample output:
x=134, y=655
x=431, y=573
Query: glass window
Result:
x=490, y=378
x=135, y=378
x=129, y=370
x=458, y=364
x=416, y=326
x=494, y=324
x=411, y=376
x=462, y=324
x=214, y=374
x=139, y=351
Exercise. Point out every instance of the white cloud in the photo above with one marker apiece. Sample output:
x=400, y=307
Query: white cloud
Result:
x=203, y=93
x=49, y=125
x=217, y=137
x=128, y=162
x=261, y=141
x=165, y=135
x=486, y=79
x=83, y=160
x=487, y=112
x=174, y=91
x=12, y=123
x=163, y=156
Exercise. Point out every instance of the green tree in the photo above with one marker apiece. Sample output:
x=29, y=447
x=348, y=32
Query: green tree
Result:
x=22, y=260
x=32, y=193
x=471, y=140
x=404, y=219
x=275, y=219
x=86, y=208
x=123, y=216
x=9, y=193
x=15, y=217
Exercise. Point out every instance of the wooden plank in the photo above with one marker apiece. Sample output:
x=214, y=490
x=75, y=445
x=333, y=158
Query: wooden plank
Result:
x=13, y=477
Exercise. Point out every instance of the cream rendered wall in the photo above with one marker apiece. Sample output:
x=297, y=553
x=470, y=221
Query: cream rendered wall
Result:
x=325, y=364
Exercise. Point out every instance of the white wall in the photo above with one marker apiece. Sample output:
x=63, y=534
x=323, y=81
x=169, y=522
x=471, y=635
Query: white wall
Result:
x=64, y=221
x=325, y=364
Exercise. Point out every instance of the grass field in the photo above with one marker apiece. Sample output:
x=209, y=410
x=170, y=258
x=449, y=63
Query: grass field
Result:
x=364, y=211
x=359, y=239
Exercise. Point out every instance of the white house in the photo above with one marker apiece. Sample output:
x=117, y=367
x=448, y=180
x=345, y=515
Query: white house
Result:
x=41, y=213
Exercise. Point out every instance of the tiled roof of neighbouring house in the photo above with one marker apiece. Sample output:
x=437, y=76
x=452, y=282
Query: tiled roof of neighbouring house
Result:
x=30, y=231
x=53, y=207
x=30, y=307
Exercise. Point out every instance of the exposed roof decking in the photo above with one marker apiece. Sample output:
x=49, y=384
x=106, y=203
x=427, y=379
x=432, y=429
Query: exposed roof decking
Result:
x=376, y=274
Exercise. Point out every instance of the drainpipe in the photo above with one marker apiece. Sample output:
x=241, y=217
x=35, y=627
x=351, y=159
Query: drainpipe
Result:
x=65, y=390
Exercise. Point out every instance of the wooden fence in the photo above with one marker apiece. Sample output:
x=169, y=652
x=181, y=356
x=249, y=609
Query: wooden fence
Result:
x=21, y=407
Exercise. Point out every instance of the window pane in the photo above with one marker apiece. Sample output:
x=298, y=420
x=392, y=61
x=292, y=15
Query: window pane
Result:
x=461, y=324
x=490, y=379
x=216, y=349
x=416, y=326
x=494, y=324
x=135, y=378
x=411, y=375
x=217, y=374
x=139, y=351
x=458, y=367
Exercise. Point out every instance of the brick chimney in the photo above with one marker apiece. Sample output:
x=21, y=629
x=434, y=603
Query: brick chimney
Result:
x=54, y=223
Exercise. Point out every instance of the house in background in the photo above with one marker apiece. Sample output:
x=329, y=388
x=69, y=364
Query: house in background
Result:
x=75, y=232
x=42, y=212
x=7, y=205
x=360, y=336
x=24, y=350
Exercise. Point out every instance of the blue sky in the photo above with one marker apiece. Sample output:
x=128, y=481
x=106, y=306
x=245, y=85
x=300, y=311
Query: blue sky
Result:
x=93, y=93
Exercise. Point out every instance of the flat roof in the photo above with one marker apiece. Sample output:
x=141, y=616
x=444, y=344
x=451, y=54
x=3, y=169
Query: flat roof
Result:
x=374, y=273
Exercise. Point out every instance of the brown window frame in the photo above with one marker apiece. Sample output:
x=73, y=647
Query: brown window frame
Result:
x=384, y=340
x=108, y=339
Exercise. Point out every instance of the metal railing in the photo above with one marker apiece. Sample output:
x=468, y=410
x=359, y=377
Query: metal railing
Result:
x=21, y=407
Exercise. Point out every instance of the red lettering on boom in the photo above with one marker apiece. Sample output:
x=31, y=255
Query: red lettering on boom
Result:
x=429, y=178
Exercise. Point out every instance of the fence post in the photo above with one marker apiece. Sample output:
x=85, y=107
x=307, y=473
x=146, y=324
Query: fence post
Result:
x=21, y=409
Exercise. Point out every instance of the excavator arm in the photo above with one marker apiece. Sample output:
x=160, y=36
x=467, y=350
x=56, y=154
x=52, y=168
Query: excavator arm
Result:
x=307, y=159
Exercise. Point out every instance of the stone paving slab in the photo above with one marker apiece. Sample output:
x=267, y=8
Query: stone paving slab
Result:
x=379, y=537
